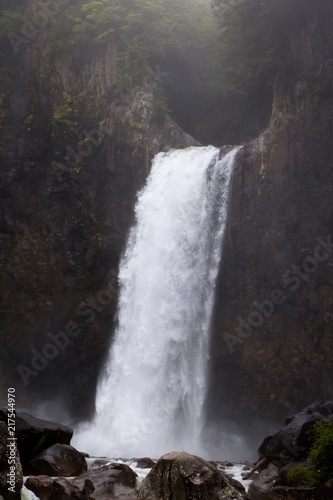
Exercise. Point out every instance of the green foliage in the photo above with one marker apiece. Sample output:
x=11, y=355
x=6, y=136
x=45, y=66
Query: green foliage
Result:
x=10, y=22
x=225, y=66
x=28, y=121
x=308, y=91
x=143, y=32
x=253, y=47
x=124, y=78
x=67, y=111
x=298, y=476
x=101, y=126
x=322, y=449
x=140, y=29
x=98, y=237
x=254, y=40
x=252, y=44
x=137, y=125
x=161, y=107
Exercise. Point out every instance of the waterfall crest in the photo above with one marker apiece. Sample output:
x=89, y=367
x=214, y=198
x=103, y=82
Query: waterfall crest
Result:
x=151, y=398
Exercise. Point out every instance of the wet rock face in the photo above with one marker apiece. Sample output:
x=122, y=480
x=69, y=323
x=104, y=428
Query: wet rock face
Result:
x=183, y=476
x=143, y=463
x=266, y=487
x=74, y=153
x=290, y=447
x=292, y=441
x=116, y=481
x=48, y=488
x=273, y=317
x=34, y=435
x=57, y=460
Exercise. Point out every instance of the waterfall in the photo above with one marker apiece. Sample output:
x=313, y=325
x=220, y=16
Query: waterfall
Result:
x=151, y=398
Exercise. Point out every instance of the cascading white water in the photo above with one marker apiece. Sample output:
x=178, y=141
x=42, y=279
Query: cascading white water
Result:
x=151, y=398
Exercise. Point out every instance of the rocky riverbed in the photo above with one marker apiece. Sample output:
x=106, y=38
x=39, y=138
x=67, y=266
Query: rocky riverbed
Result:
x=39, y=463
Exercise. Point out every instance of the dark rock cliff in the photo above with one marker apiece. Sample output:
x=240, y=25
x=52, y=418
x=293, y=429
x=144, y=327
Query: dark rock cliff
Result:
x=273, y=324
x=74, y=152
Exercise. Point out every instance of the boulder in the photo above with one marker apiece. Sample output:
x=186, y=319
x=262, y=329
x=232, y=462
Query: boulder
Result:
x=143, y=463
x=57, y=460
x=287, y=448
x=261, y=487
x=266, y=486
x=292, y=441
x=223, y=464
x=48, y=488
x=111, y=482
x=35, y=435
x=99, y=463
x=11, y=477
x=182, y=476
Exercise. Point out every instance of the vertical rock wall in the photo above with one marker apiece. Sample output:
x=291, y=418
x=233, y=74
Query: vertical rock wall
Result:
x=74, y=152
x=272, y=341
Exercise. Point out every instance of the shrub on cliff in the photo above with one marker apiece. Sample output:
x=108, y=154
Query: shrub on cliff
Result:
x=321, y=456
x=321, y=453
x=298, y=476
